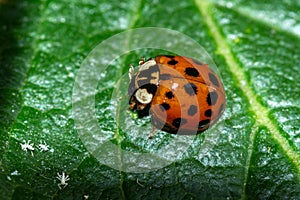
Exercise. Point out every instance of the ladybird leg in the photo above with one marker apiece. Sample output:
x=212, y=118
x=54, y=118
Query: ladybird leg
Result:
x=131, y=72
x=132, y=105
x=152, y=132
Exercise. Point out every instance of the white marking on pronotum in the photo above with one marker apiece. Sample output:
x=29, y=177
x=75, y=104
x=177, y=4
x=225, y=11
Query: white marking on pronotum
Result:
x=27, y=146
x=143, y=96
x=147, y=65
x=63, y=178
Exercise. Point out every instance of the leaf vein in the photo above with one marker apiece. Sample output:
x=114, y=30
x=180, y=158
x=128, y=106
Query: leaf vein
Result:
x=261, y=112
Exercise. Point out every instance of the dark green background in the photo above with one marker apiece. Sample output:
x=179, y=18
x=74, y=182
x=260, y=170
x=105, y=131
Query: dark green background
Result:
x=255, y=45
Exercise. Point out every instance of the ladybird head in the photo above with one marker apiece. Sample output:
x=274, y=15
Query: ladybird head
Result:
x=143, y=86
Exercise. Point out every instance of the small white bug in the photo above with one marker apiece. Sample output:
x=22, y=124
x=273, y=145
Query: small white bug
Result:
x=27, y=146
x=63, y=178
x=43, y=147
x=86, y=196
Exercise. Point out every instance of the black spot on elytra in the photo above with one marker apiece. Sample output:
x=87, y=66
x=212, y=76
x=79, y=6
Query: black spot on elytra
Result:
x=191, y=89
x=164, y=106
x=169, y=95
x=213, y=79
x=203, y=123
x=197, y=62
x=212, y=98
x=172, y=62
x=221, y=109
x=208, y=113
x=190, y=71
x=192, y=110
x=165, y=76
x=179, y=121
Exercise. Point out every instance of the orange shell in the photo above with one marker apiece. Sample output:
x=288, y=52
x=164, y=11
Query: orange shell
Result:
x=190, y=97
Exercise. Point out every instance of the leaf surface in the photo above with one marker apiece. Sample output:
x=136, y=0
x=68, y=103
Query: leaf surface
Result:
x=256, y=48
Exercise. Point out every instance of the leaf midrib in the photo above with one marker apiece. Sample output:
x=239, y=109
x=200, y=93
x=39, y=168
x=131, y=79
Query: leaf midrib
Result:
x=259, y=110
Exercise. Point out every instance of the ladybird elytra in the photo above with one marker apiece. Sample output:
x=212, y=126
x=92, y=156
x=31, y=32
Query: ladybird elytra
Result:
x=182, y=95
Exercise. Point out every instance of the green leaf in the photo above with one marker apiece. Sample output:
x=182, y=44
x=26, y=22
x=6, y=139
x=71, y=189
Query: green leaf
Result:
x=255, y=46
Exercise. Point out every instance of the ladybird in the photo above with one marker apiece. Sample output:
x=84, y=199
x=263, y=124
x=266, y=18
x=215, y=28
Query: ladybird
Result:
x=182, y=95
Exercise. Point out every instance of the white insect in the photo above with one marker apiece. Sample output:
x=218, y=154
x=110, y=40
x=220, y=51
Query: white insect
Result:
x=86, y=196
x=63, y=178
x=27, y=146
x=43, y=147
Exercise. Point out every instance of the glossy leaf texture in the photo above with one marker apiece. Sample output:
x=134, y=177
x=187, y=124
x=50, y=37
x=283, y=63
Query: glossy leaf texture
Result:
x=255, y=45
